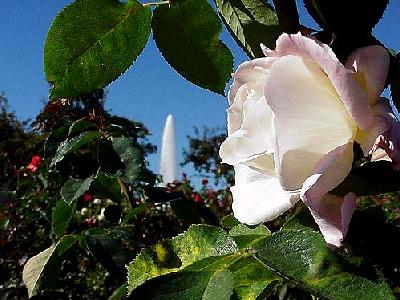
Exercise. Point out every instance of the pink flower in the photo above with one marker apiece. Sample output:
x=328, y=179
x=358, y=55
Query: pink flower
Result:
x=293, y=118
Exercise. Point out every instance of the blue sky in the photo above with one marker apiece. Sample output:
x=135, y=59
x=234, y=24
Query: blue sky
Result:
x=147, y=92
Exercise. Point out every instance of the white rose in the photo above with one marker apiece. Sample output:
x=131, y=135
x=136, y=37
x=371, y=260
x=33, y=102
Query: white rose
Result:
x=292, y=121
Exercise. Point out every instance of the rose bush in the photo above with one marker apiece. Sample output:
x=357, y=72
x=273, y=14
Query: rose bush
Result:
x=293, y=118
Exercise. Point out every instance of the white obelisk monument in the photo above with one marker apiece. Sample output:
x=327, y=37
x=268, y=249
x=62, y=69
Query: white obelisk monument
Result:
x=168, y=166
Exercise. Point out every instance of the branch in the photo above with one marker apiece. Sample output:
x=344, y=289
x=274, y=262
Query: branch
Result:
x=288, y=15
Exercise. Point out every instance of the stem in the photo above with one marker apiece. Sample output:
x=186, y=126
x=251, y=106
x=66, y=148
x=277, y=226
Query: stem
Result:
x=155, y=3
x=288, y=15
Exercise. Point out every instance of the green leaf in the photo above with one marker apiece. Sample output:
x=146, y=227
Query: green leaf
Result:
x=355, y=17
x=250, y=277
x=246, y=237
x=188, y=286
x=303, y=257
x=187, y=34
x=233, y=276
x=220, y=286
x=79, y=126
x=74, y=188
x=133, y=213
x=108, y=160
x=65, y=243
x=250, y=23
x=108, y=186
x=229, y=221
x=119, y=293
x=91, y=42
x=73, y=144
x=61, y=216
x=108, y=252
x=37, y=267
x=131, y=155
x=200, y=241
x=33, y=269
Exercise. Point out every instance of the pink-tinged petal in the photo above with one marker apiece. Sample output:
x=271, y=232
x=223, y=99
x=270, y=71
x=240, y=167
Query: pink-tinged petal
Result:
x=255, y=136
x=331, y=213
x=257, y=197
x=309, y=118
x=367, y=138
x=389, y=139
x=390, y=142
x=249, y=71
x=333, y=217
x=347, y=87
x=371, y=65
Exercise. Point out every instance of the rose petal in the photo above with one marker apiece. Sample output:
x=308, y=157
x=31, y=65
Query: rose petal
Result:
x=348, y=88
x=367, y=138
x=255, y=135
x=309, y=118
x=371, y=65
x=247, y=72
x=331, y=213
x=333, y=217
x=257, y=197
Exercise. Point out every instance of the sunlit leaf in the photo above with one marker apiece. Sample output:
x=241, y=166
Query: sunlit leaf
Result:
x=92, y=42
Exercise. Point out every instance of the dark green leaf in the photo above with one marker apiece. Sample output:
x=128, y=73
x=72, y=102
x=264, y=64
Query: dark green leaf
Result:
x=108, y=159
x=247, y=279
x=110, y=187
x=65, y=243
x=187, y=34
x=73, y=144
x=61, y=216
x=356, y=17
x=250, y=23
x=108, y=252
x=131, y=156
x=133, y=213
x=229, y=221
x=57, y=135
x=74, y=188
x=79, y=126
x=303, y=257
x=187, y=286
x=200, y=241
x=251, y=278
x=91, y=42
x=119, y=293
x=245, y=236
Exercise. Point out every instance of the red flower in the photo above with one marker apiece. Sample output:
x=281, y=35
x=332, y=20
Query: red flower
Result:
x=197, y=198
x=33, y=166
x=204, y=182
x=87, y=197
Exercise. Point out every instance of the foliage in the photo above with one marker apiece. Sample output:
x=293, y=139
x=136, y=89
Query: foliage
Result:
x=90, y=206
x=203, y=154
